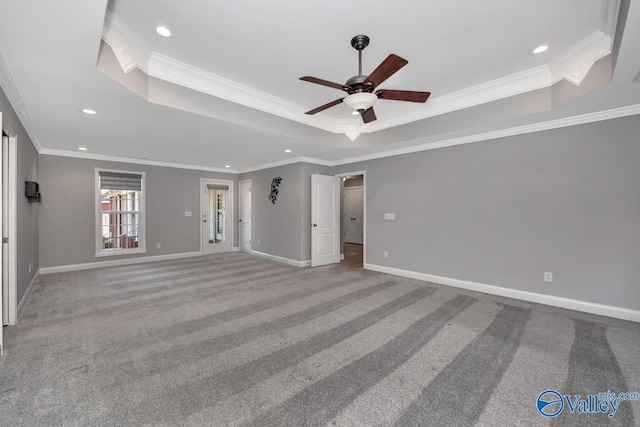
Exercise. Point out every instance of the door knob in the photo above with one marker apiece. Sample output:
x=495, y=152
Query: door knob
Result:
x=315, y=225
x=239, y=220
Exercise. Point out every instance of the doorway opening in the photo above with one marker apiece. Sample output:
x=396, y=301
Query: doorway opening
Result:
x=217, y=216
x=352, y=219
x=245, y=216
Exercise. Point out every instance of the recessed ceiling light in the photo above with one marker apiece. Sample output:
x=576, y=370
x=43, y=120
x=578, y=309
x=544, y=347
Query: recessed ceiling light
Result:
x=82, y=148
x=163, y=30
x=540, y=49
x=227, y=166
x=287, y=151
x=89, y=111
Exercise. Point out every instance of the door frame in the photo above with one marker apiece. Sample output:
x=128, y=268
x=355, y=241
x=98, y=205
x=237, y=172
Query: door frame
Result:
x=240, y=211
x=203, y=182
x=12, y=220
x=344, y=189
x=364, y=213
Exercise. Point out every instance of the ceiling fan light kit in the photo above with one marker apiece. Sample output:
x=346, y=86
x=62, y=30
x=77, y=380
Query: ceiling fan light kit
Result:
x=361, y=89
x=360, y=101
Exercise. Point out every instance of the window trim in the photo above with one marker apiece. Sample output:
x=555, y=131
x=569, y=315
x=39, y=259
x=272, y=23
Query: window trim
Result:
x=142, y=237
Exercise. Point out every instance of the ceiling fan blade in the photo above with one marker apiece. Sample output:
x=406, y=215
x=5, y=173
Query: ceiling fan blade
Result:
x=368, y=115
x=322, y=82
x=403, y=95
x=325, y=106
x=386, y=69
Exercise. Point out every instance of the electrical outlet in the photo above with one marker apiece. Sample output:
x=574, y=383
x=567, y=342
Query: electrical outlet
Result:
x=548, y=277
x=158, y=245
x=385, y=254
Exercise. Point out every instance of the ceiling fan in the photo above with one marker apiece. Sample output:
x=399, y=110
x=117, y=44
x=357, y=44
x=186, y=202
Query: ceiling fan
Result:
x=361, y=89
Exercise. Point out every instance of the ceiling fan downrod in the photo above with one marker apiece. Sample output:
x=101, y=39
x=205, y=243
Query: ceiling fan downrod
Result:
x=359, y=43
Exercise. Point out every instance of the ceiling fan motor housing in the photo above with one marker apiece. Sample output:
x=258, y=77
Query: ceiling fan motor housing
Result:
x=357, y=85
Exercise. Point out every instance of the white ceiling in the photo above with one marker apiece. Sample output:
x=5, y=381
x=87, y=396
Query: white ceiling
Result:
x=224, y=88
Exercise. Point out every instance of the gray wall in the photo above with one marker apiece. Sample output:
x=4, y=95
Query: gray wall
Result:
x=275, y=228
x=502, y=212
x=27, y=221
x=499, y=212
x=67, y=215
x=282, y=229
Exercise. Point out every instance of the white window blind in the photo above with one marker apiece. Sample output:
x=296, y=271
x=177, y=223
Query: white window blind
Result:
x=120, y=181
x=217, y=187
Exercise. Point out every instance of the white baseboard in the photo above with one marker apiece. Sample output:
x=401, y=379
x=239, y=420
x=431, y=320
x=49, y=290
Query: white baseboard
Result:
x=27, y=293
x=116, y=262
x=235, y=249
x=571, y=304
x=282, y=259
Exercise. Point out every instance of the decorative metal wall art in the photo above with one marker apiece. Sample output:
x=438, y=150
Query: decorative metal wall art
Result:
x=273, y=195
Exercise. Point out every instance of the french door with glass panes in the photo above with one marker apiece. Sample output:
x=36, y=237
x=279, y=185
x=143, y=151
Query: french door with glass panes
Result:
x=217, y=216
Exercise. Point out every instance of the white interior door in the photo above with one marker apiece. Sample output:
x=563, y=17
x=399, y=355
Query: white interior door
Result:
x=325, y=220
x=4, y=267
x=3, y=297
x=217, y=216
x=353, y=197
x=245, y=216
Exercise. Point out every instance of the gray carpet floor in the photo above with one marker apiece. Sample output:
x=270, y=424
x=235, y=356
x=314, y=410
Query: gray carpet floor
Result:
x=235, y=340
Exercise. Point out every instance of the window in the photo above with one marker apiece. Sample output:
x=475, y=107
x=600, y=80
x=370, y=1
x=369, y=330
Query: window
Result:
x=119, y=212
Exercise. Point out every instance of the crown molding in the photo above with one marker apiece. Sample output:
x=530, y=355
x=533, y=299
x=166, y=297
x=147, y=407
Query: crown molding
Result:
x=300, y=159
x=572, y=65
x=518, y=130
x=615, y=113
x=149, y=162
x=609, y=11
x=514, y=84
x=129, y=49
x=13, y=95
x=7, y=83
x=132, y=52
x=182, y=74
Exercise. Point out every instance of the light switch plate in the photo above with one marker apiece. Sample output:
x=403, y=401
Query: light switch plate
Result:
x=389, y=216
x=188, y=213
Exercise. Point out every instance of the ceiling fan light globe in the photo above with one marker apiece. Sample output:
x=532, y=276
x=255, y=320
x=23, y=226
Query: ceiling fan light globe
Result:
x=360, y=101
